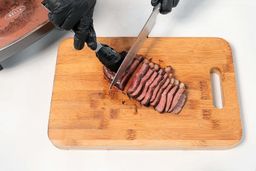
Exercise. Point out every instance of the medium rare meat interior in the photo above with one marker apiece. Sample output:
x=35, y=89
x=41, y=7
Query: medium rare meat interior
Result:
x=151, y=85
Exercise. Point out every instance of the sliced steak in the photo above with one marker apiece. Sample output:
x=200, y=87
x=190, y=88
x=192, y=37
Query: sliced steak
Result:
x=148, y=83
x=168, y=71
x=162, y=103
x=158, y=97
x=177, y=96
x=177, y=109
x=130, y=71
x=144, y=79
x=171, y=95
x=109, y=75
x=151, y=85
x=161, y=75
x=138, y=76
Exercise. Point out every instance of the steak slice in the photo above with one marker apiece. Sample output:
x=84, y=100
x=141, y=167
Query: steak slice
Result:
x=170, y=96
x=144, y=79
x=130, y=71
x=148, y=83
x=162, y=103
x=161, y=75
x=177, y=109
x=177, y=96
x=168, y=71
x=138, y=76
x=109, y=75
x=158, y=97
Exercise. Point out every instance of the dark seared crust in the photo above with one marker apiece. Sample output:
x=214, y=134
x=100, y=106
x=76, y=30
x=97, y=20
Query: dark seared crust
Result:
x=158, y=97
x=149, y=93
x=168, y=70
x=162, y=103
x=177, y=96
x=138, y=76
x=130, y=71
x=171, y=95
x=138, y=90
x=177, y=109
x=109, y=75
x=147, y=85
x=157, y=88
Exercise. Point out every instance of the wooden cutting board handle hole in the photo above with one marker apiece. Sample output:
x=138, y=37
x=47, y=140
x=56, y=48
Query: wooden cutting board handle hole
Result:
x=216, y=87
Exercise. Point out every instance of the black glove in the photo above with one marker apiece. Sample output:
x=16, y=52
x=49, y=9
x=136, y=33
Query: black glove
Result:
x=110, y=58
x=76, y=15
x=166, y=5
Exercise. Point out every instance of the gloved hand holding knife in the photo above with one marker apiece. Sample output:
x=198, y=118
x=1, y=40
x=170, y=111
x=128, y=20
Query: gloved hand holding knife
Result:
x=77, y=15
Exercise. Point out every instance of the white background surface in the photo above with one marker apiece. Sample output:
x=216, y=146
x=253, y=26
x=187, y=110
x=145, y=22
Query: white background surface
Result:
x=26, y=87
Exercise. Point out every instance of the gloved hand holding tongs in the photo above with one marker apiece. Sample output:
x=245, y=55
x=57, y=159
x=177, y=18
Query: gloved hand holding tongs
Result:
x=77, y=15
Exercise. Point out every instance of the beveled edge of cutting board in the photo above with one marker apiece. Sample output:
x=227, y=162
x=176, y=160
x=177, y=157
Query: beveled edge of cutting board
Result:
x=202, y=144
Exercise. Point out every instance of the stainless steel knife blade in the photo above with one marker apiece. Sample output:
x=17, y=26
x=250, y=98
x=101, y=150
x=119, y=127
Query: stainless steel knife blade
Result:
x=137, y=45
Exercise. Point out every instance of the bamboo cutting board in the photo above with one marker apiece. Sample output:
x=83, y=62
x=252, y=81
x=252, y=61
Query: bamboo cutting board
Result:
x=84, y=115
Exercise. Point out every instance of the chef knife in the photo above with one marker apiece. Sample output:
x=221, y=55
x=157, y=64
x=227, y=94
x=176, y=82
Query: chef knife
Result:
x=137, y=44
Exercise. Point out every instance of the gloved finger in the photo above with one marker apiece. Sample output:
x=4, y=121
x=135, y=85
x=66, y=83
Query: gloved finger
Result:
x=155, y=2
x=56, y=20
x=70, y=21
x=81, y=28
x=78, y=38
x=78, y=44
x=58, y=14
x=91, y=39
x=51, y=5
x=84, y=31
x=175, y=2
x=50, y=18
x=166, y=6
x=74, y=16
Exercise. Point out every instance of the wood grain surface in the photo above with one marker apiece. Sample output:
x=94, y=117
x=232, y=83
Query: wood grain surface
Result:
x=85, y=115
